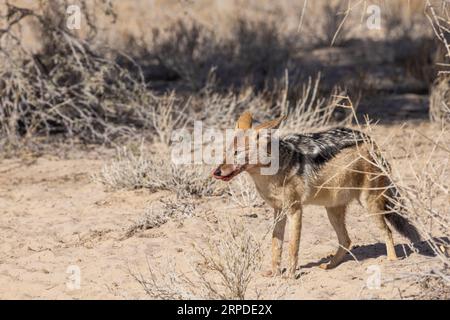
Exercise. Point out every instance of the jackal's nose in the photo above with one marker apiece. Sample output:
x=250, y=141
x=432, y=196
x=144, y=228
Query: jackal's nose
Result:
x=217, y=172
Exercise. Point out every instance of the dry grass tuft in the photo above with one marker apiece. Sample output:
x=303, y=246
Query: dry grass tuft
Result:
x=154, y=217
x=223, y=270
x=435, y=286
x=243, y=192
x=312, y=112
x=137, y=168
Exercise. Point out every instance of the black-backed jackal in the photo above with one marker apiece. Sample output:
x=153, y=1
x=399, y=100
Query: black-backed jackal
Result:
x=329, y=168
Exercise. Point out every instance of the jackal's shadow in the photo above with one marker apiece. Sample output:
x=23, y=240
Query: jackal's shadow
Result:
x=376, y=250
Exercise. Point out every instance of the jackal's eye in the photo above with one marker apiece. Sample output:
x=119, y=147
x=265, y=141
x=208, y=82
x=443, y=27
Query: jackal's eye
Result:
x=235, y=152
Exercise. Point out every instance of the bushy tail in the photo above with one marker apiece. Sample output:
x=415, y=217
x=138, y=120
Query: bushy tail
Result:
x=399, y=222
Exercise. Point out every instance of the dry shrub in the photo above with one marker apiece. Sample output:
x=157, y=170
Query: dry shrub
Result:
x=131, y=169
x=434, y=286
x=167, y=116
x=418, y=197
x=221, y=110
x=440, y=100
x=187, y=48
x=439, y=18
x=160, y=213
x=70, y=87
x=308, y=109
x=340, y=21
x=224, y=269
x=333, y=27
x=405, y=20
x=135, y=168
x=243, y=192
x=76, y=87
x=254, y=53
x=234, y=257
x=312, y=112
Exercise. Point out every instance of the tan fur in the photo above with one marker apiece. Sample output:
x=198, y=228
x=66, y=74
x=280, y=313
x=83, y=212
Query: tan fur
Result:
x=245, y=121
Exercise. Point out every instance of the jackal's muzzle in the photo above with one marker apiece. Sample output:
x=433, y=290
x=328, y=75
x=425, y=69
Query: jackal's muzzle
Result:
x=227, y=172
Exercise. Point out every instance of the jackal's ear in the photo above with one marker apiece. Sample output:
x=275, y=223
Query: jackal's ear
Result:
x=245, y=121
x=272, y=124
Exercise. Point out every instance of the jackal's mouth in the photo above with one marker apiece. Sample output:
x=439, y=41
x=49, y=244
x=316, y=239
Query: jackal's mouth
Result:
x=217, y=174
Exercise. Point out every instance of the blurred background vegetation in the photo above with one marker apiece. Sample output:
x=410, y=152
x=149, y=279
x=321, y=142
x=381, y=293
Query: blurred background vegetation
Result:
x=133, y=59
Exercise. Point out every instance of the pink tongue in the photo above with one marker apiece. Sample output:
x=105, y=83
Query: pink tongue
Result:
x=226, y=177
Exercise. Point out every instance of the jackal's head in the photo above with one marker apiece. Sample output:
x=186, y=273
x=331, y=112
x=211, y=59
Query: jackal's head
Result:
x=250, y=149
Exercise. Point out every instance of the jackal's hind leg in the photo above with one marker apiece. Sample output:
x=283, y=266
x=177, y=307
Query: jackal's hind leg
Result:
x=337, y=219
x=376, y=208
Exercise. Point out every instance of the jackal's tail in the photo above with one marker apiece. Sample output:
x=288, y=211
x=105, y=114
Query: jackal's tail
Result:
x=397, y=220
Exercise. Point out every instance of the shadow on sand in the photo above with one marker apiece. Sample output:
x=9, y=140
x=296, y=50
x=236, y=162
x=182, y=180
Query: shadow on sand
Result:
x=376, y=250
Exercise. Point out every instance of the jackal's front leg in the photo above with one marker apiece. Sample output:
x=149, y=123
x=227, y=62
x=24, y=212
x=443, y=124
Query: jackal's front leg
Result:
x=277, y=243
x=295, y=227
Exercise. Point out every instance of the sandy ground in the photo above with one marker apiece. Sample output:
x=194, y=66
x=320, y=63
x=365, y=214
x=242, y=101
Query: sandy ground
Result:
x=54, y=217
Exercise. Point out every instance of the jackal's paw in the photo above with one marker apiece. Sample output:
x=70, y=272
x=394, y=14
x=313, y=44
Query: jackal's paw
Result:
x=323, y=266
x=327, y=266
x=392, y=258
x=267, y=273
x=270, y=273
x=289, y=275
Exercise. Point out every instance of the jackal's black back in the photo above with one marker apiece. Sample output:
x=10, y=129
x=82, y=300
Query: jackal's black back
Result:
x=317, y=148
